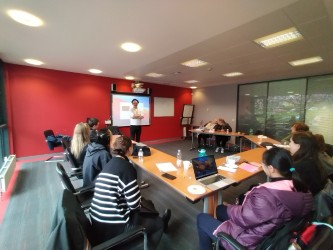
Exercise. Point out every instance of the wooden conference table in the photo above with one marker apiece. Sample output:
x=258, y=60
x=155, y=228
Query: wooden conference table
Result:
x=222, y=133
x=186, y=178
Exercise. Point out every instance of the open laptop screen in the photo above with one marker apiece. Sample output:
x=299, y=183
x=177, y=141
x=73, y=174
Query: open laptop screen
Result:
x=204, y=166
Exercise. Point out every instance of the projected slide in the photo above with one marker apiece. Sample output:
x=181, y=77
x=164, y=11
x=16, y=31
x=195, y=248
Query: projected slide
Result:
x=121, y=105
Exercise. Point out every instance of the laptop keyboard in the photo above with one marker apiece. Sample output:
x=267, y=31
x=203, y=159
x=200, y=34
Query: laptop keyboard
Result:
x=212, y=179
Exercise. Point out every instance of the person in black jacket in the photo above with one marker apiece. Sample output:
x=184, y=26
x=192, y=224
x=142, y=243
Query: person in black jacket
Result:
x=97, y=156
x=93, y=125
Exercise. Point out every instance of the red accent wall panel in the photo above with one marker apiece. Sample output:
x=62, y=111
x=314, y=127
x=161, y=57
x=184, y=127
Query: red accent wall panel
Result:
x=43, y=99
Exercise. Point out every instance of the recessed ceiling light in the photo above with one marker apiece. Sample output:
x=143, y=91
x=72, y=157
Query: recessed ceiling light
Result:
x=193, y=87
x=25, y=18
x=290, y=92
x=155, y=75
x=247, y=94
x=280, y=38
x=233, y=74
x=305, y=61
x=194, y=63
x=129, y=77
x=95, y=71
x=131, y=47
x=192, y=81
x=33, y=61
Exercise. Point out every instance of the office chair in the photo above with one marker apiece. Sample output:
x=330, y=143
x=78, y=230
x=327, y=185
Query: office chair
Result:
x=83, y=194
x=52, y=141
x=76, y=169
x=292, y=231
x=71, y=229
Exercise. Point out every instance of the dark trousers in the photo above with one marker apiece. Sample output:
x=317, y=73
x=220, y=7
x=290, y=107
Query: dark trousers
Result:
x=135, y=131
x=206, y=225
x=221, y=141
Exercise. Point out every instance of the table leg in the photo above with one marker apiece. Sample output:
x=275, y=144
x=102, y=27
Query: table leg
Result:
x=210, y=203
x=192, y=144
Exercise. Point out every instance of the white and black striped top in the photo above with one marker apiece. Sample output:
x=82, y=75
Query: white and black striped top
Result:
x=116, y=192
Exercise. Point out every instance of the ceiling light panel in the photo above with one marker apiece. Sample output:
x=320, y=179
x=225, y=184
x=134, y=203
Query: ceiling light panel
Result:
x=33, y=61
x=192, y=81
x=233, y=74
x=305, y=61
x=129, y=77
x=95, y=71
x=280, y=38
x=155, y=75
x=25, y=18
x=194, y=63
x=131, y=47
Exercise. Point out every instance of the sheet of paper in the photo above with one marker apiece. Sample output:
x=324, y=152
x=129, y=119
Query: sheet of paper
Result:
x=166, y=167
x=232, y=170
x=248, y=167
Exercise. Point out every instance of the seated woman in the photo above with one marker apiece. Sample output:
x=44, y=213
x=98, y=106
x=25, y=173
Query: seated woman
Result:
x=93, y=127
x=208, y=126
x=305, y=152
x=265, y=207
x=116, y=204
x=97, y=156
x=325, y=160
x=221, y=140
x=296, y=127
x=79, y=143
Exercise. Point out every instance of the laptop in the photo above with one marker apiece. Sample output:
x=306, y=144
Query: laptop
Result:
x=206, y=173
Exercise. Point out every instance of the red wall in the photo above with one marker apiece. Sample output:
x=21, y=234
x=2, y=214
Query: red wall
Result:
x=39, y=99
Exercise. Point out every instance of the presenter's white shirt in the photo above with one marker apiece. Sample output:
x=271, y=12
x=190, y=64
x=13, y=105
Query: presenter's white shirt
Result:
x=133, y=113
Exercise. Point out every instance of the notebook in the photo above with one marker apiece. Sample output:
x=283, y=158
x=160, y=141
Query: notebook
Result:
x=206, y=173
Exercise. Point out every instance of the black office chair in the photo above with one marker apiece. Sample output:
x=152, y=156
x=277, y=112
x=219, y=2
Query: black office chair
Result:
x=76, y=169
x=71, y=229
x=83, y=194
x=293, y=231
x=281, y=235
x=52, y=141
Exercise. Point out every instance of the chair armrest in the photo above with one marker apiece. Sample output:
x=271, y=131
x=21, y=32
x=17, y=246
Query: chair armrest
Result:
x=85, y=190
x=123, y=238
x=227, y=238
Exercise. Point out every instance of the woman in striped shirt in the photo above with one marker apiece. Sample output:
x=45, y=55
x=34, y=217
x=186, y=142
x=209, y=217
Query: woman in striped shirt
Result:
x=115, y=207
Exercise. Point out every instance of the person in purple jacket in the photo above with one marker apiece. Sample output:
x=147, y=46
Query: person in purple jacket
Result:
x=264, y=208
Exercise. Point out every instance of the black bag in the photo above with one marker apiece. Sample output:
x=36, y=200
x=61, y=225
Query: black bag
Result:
x=145, y=149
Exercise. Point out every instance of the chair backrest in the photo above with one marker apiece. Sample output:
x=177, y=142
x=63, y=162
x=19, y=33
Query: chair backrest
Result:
x=65, y=143
x=323, y=237
x=74, y=165
x=66, y=182
x=70, y=227
x=48, y=132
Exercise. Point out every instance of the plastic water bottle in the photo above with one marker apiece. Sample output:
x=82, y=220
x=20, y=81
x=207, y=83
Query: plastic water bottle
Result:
x=251, y=131
x=140, y=155
x=222, y=150
x=179, y=158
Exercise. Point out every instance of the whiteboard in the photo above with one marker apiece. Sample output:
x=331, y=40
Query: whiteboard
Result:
x=188, y=110
x=164, y=106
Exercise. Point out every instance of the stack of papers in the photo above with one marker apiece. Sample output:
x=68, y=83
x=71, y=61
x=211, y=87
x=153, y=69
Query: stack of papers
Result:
x=166, y=167
x=249, y=167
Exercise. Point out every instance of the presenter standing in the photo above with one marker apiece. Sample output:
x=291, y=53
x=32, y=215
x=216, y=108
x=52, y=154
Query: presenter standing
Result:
x=135, y=121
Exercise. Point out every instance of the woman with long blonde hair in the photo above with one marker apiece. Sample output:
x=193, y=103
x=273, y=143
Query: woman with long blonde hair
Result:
x=80, y=141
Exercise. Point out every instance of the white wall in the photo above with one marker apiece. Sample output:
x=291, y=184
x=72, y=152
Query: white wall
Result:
x=215, y=102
